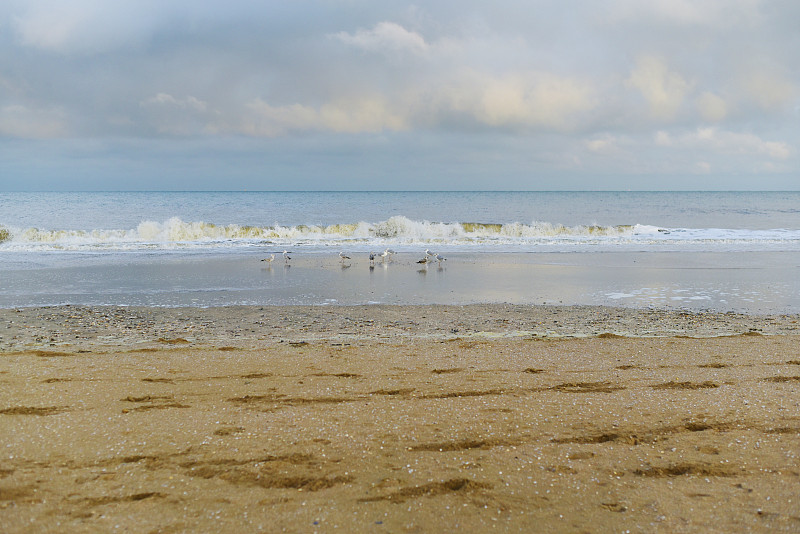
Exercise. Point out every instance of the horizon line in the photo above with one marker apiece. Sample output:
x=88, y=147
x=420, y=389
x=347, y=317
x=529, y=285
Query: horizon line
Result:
x=403, y=191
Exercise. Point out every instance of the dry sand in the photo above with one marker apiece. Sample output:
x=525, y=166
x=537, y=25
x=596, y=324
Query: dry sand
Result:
x=398, y=419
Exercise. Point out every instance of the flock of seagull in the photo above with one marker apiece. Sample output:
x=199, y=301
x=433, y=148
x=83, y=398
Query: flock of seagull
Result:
x=429, y=257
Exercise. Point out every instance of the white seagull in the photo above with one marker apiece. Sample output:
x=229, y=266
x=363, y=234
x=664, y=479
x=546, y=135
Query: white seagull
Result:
x=343, y=256
x=386, y=253
x=440, y=258
x=286, y=256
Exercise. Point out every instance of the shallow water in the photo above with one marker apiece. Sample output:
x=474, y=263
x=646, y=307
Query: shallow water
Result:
x=714, y=281
x=722, y=251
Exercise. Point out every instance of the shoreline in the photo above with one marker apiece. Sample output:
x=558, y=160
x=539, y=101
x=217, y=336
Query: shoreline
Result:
x=398, y=419
x=83, y=327
x=758, y=283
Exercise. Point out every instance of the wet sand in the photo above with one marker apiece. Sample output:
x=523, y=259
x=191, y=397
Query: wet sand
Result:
x=755, y=283
x=398, y=419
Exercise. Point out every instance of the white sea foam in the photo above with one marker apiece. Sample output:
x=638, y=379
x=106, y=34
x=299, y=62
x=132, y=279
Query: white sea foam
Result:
x=397, y=231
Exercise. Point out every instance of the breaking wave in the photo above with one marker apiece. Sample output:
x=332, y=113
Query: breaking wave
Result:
x=396, y=231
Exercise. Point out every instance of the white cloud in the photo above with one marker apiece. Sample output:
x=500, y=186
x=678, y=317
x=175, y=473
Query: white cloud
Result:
x=516, y=101
x=605, y=144
x=770, y=90
x=726, y=142
x=354, y=116
x=385, y=36
x=689, y=12
x=24, y=122
x=663, y=138
x=540, y=101
x=712, y=108
x=178, y=116
x=362, y=115
x=486, y=73
x=663, y=90
x=164, y=99
x=272, y=121
x=702, y=167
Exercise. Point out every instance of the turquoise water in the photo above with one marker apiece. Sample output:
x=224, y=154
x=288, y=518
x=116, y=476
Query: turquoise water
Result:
x=717, y=250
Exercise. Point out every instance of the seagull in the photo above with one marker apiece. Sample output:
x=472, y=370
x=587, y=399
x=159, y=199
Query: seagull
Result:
x=429, y=253
x=372, y=258
x=270, y=259
x=343, y=256
x=386, y=253
x=286, y=256
x=440, y=258
x=424, y=260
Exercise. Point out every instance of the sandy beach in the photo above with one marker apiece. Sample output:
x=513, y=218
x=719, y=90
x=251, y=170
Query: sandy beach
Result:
x=398, y=419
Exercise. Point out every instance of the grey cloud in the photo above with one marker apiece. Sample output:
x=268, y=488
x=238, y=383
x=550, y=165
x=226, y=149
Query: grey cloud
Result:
x=541, y=85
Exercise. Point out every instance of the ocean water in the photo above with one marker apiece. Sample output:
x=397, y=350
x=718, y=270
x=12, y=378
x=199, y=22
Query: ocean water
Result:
x=700, y=250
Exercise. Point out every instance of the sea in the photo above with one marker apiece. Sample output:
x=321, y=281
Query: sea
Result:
x=719, y=251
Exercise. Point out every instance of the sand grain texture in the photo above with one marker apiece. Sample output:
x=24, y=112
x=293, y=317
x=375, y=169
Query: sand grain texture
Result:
x=418, y=430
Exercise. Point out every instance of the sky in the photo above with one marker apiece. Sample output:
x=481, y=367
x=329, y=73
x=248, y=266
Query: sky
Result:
x=392, y=95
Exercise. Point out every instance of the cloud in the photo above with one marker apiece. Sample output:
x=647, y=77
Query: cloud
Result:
x=178, y=116
x=540, y=101
x=354, y=116
x=708, y=13
x=663, y=138
x=164, y=99
x=28, y=123
x=532, y=100
x=663, y=90
x=711, y=107
x=771, y=91
x=702, y=167
x=85, y=26
x=713, y=81
x=725, y=142
x=385, y=36
x=604, y=144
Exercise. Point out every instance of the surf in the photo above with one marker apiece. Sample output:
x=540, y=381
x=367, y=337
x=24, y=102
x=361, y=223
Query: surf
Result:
x=396, y=231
